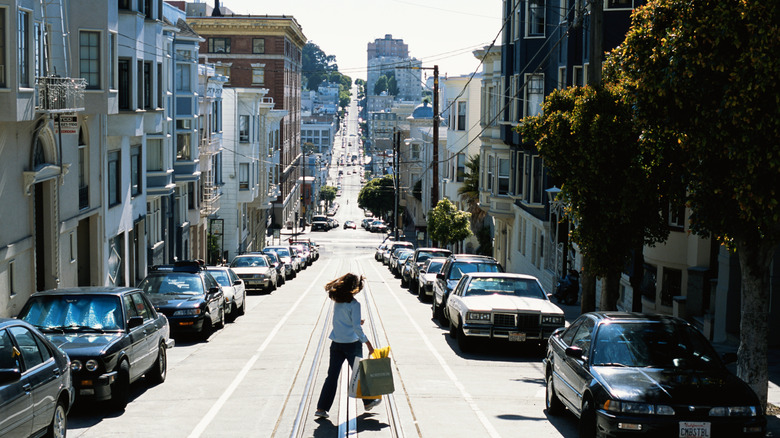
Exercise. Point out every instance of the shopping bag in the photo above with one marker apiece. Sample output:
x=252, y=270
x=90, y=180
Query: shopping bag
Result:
x=354, y=382
x=376, y=377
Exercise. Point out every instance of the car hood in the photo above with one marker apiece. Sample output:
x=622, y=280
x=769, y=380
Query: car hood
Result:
x=430, y=278
x=662, y=386
x=84, y=344
x=252, y=270
x=175, y=301
x=498, y=303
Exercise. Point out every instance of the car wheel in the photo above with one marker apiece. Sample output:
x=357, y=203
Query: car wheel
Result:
x=207, y=328
x=159, y=370
x=453, y=329
x=551, y=400
x=59, y=422
x=242, y=309
x=221, y=321
x=233, y=314
x=588, y=420
x=421, y=294
x=441, y=316
x=120, y=390
x=464, y=343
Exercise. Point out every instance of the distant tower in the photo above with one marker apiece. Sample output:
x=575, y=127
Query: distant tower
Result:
x=388, y=47
x=217, y=10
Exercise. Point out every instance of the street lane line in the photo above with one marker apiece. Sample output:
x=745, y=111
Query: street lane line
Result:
x=492, y=432
x=217, y=406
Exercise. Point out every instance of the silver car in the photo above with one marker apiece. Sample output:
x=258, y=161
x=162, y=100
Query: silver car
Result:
x=233, y=288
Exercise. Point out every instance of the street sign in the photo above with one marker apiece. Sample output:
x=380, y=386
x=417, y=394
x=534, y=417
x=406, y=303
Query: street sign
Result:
x=66, y=124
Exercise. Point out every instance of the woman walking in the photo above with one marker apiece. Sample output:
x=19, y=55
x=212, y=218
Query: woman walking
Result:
x=347, y=338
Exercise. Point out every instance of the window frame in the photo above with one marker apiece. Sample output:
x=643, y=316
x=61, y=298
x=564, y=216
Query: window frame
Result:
x=23, y=34
x=533, y=94
x=114, y=178
x=243, y=176
x=243, y=128
x=535, y=26
x=254, y=46
x=211, y=45
x=93, y=60
x=136, y=180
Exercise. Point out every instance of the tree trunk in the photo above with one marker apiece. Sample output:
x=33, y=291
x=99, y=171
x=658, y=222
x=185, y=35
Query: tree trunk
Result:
x=610, y=291
x=755, y=259
x=588, y=299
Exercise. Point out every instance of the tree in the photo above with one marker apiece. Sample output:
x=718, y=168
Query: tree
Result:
x=328, y=194
x=469, y=193
x=703, y=74
x=587, y=139
x=315, y=65
x=380, y=85
x=447, y=224
x=377, y=196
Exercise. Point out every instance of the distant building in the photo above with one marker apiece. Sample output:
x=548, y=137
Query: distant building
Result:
x=388, y=46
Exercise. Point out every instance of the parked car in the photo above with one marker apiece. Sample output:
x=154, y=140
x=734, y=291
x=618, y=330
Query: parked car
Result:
x=311, y=247
x=276, y=262
x=380, y=249
x=364, y=223
x=350, y=224
x=375, y=223
x=233, y=288
x=287, y=257
x=113, y=336
x=418, y=258
x=493, y=305
x=427, y=277
x=320, y=223
x=36, y=389
x=392, y=247
x=646, y=375
x=300, y=262
x=397, y=258
x=187, y=295
x=256, y=271
x=454, y=268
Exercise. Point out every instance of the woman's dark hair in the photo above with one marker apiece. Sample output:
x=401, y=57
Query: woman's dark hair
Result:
x=342, y=289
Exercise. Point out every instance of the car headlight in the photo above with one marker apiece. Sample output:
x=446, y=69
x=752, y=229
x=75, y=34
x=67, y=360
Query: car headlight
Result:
x=187, y=312
x=76, y=365
x=478, y=316
x=637, y=408
x=91, y=365
x=553, y=319
x=734, y=411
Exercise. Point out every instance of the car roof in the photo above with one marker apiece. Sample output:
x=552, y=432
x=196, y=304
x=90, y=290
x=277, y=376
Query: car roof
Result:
x=436, y=259
x=615, y=316
x=499, y=275
x=433, y=249
x=472, y=258
x=86, y=290
x=8, y=322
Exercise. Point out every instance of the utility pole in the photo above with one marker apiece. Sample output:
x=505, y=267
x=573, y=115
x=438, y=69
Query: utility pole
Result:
x=596, y=42
x=396, y=179
x=303, y=188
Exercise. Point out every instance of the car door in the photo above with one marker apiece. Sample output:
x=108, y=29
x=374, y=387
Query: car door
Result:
x=16, y=399
x=440, y=285
x=147, y=348
x=573, y=371
x=41, y=372
x=213, y=300
x=454, y=302
x=238, y=288
x=136, y=338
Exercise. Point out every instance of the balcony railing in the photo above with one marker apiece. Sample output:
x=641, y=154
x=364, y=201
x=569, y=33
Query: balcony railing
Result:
x=209, y=146
x=211, y=194
x=60, y=95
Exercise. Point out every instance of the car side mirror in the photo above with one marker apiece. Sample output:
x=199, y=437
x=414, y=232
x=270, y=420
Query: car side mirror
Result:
x=440, y=276
x=237, y=282
x=574, y=352
x=135, y=321
x=214, y=290
x=10, y=375
x=729, y=357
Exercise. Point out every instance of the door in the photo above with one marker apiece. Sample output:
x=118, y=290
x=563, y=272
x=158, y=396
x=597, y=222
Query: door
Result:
x=574, y=371
x=136, y=338
x=42, y=375
x=16, y=401
x=147, y=351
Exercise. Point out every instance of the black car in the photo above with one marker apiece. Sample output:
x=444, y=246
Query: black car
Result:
x=628, y=374
x=113, y=336
x=277, y=263
x=415, y=263
x=447, y=278
x=187, y=295
x=36, y=390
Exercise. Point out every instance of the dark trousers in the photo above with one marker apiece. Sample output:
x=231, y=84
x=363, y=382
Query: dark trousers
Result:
x=338, y=354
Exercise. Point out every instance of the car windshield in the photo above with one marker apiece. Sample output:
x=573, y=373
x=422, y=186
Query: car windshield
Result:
x=282, y=252
x=221, y=276
x=272, y=256
x=173, y=284
x=518, y=287
x=404, y=255
x=653, y=344
x=458, y=269
x=434, y=267
x=425, y=255
x=90, y=313
x=249, y=262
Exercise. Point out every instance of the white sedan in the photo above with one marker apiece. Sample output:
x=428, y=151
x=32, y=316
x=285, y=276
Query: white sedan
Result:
x=233, y=288
x=492, y=305
x=256, y=271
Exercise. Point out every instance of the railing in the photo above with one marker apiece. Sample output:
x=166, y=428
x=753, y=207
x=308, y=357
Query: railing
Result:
x=60, y=94
x=211, y=195
x=209, y=146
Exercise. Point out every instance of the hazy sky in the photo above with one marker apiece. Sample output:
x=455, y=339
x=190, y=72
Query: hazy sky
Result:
x=443, y=32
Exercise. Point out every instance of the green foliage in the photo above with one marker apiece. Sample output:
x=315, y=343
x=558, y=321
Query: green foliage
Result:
x=380, y=85
x=386, y=82
x=447, y=224
x=469, y=193
x=377, y=196
x=328, y=194
x=587, y=139
x=703, y=78
x=316, y=65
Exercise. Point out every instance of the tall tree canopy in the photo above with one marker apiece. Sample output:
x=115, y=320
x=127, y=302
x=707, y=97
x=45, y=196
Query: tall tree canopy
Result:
x=386, y=82
x=316, y=65
x=377, y=196
x=447, y=224
x=703, y=74
x=587, y=138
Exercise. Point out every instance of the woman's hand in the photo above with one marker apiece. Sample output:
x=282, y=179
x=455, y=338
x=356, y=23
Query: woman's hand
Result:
x=370, y=348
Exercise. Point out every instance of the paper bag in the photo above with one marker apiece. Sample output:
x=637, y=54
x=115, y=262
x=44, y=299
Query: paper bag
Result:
x=354, y=382
x=376, y=377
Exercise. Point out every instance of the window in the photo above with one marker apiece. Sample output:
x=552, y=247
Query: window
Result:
x=124, y=4
x=536, y=19
x=154, y=157
x=111, y=61
x=503, y=176
x=11, y=273
x=140, y=84
x=561, y=78
x=147, y=88
x=243, y=176
x=518, y=169
x=513, y=98
x=258, y=75
x=159, y=85
x=135, y=171
x=461, y=116
x=183, y=146
x=154, y=219
x=620, y=4
x=182, y=77
x=243, y=128
x=89, y=58
x=123, y=76
x=3, y=80
x=460, y=174
x=23, y=49
x=258, y=45
x=114, y=179
x=40, y=44
x=677, y=217
x=147, y=5
x=490, y=172
x=34, y=352
x=577, y=76
x=219, y=45
x=534, y=95
x=415, y=151
x=223, y=70
x=83, y=173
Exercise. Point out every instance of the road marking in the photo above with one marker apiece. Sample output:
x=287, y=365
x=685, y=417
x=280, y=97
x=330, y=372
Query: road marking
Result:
x=217, y=406
x=451, y=374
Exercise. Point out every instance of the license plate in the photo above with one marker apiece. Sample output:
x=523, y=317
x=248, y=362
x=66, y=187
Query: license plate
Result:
x=694, y=429
x=516, y=337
